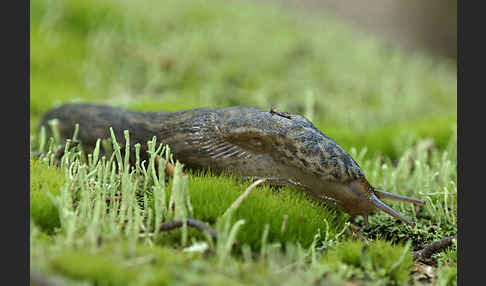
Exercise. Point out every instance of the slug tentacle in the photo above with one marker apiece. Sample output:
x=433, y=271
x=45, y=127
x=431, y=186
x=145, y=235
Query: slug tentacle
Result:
x=383, y=207
x=396, y=197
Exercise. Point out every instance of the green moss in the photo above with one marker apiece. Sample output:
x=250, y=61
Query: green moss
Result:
x=212, y=196
x=447, y=275
x=44, y=179
x=99, y=269
x=378, y=260
x=447, y=267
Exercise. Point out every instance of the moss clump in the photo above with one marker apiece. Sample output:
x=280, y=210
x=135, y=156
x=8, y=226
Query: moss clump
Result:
x=44, y=179
x=212, y=196
x=100, y=269
x=380, y=262
x=292, y=217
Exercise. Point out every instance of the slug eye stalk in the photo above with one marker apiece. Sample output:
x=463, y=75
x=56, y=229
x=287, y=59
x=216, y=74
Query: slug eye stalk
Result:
x=383, y=207
x=384, y=195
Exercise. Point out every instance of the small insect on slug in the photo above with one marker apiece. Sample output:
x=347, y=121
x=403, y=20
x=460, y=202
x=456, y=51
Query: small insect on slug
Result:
x=284, y=148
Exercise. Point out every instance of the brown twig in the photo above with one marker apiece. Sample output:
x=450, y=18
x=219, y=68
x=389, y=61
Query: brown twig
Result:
x=170, y=225
x=433, y=248
x=273, y=110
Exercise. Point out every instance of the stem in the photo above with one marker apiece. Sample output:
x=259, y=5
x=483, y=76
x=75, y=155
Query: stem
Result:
x=170, y=225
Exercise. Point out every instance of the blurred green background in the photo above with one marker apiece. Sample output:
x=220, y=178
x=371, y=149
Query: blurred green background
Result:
x=174, y=55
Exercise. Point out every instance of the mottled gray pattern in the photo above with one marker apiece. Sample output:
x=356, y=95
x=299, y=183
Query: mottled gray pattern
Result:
x=240, y=140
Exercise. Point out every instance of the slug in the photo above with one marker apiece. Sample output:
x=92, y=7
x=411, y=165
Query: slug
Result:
x=282, y=147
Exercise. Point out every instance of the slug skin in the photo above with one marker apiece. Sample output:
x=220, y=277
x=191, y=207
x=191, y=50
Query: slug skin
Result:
x=243, y=141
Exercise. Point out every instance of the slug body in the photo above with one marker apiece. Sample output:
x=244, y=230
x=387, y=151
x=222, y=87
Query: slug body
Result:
x=285, y=148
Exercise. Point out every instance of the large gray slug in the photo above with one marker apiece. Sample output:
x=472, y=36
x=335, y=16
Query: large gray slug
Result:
x=284, y=148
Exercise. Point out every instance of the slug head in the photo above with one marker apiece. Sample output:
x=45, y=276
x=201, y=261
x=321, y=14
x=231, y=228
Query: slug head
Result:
x=293, y=148
x=292, y=142
x=366, y=202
